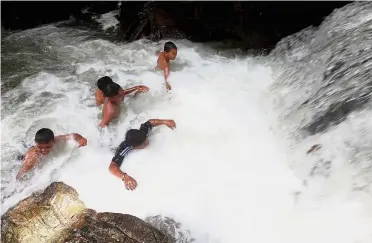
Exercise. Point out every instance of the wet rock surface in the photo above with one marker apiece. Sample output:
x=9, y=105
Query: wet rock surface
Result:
x=171, y=227
x=57, y=215
x=329, y=69
x=250, y=25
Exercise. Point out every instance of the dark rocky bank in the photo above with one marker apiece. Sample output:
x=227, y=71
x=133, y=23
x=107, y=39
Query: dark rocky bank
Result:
x=252, y=25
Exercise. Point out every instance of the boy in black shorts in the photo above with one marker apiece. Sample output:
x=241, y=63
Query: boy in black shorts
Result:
x=134, y=139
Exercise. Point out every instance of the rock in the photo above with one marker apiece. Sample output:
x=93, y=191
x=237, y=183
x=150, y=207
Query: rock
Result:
x=150, y=21
x=114, y=227
x=170, y=227
x=57, y=215
x=42, y=217
x=335, y=67
x=25, y=15
x=252, y=25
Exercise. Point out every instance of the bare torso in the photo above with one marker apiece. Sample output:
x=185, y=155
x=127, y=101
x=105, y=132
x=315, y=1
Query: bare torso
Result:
x=162, y=61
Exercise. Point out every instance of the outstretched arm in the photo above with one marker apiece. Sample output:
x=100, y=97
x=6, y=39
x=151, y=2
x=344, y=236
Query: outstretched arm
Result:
x=139, y=88
x=29, y=163
x=75, y=136
x=157, y=122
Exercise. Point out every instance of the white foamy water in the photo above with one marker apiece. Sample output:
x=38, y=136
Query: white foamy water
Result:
x=222, y=173
x=108, y=20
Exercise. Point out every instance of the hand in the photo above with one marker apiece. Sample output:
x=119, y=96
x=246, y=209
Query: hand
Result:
x=80, y=139
x=142, y=89
x=170, y=123
x=129, y=182
x=169, y=87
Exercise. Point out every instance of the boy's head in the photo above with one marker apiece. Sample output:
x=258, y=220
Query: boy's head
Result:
x=170, y=50
x=111, y=91
x=103, y=82
x=136, y=138
x=44, y=140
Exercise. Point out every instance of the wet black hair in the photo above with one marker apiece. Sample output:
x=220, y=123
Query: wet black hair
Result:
x=44, y=136
x=135, y=137
x=111, y=90
x=169, y=46
x=103, y=82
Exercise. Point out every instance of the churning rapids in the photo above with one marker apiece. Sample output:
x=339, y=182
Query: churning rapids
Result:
x=236, y=169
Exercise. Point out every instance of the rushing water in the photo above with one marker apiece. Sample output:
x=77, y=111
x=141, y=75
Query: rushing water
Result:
x=322, y=95
x=235, y=169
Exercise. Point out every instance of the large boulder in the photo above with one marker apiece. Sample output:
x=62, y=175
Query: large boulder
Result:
x=57, y=215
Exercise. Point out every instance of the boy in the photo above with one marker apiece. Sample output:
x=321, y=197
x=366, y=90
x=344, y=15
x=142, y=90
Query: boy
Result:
x=104, y=81
x=111, y=106
x=44, y=144
x=169, y=53
x=134, y=139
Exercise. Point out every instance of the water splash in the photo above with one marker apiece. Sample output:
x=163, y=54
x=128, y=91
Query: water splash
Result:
x=222, y=173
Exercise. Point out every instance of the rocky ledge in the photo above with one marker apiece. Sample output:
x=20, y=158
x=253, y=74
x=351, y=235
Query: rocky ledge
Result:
x=58, y=215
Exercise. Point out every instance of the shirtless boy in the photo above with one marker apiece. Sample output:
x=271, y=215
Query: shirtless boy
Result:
x=134, y=139
x=169, y=53
x=104, y=81
x=44, y=144
x=111, y=104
